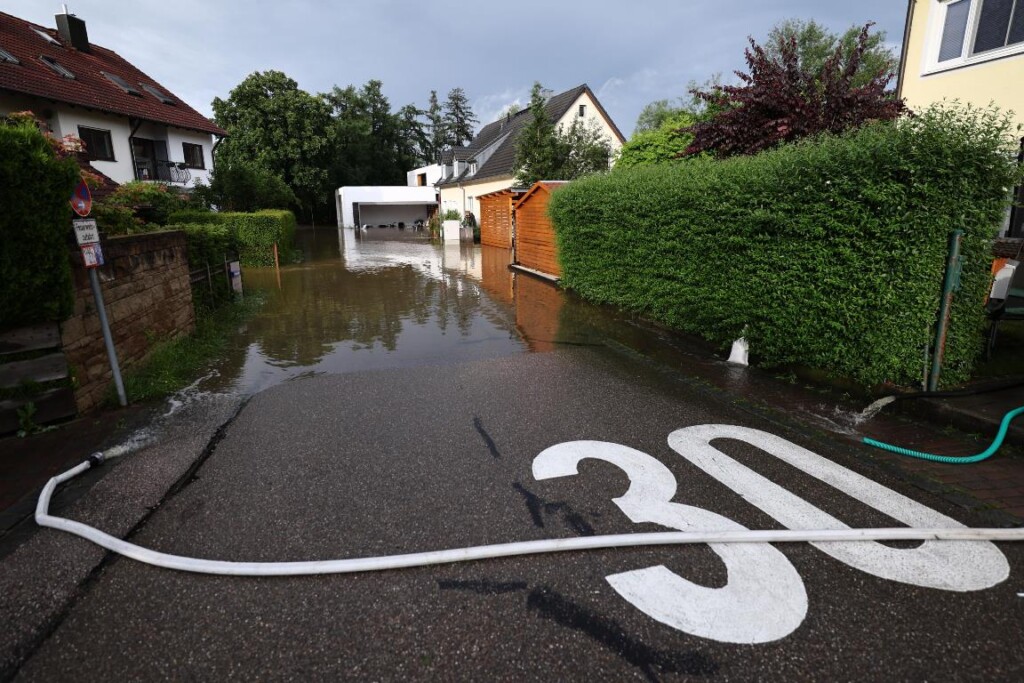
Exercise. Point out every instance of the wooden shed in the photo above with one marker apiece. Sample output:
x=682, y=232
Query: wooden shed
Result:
x=535, y=247
x=496, y=217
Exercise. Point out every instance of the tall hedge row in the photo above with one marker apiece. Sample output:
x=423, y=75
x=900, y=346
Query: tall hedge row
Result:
x=35, y=225
x=254, y=233
x=828, y=253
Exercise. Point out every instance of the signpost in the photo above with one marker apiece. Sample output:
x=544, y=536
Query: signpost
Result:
x=88, y=237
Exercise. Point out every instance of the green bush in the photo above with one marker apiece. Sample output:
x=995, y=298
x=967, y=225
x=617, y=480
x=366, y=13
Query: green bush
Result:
x=254, y=234
x=209, y=244
x=828, y=253
x=35, y=225
x=243, y=187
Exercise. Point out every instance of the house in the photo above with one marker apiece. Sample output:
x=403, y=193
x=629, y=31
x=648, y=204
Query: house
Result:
x=133, y=127
x=487, y=164
x=971, y=50
x=389, y=204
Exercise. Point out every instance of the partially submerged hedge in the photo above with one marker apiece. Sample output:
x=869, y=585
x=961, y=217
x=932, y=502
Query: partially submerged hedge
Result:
x=828, y=253
x=35, y=226
x=254, y=233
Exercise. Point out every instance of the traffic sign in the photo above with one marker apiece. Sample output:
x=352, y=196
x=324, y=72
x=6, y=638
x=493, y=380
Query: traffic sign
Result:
x=86, y=231
x=81, y=199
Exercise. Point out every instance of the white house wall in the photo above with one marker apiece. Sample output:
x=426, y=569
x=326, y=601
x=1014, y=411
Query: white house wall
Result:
x=593, y=114
x=64, y=119
x=433, y=173
x=385, y=214
x=466, y=198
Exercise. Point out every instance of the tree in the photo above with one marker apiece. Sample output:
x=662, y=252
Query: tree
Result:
x=241, y=186
x=655, y=114
x=546, y=153
x=458, y=118
x=437, y=133
x=665, y=143
x=815, y=44
x=779, y=100
x=276, y=126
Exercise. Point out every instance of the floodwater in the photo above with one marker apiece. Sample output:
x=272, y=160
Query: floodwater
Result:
x=387, y=298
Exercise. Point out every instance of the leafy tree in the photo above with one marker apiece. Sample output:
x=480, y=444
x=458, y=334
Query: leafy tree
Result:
x=242, y=186
x=665, y=143
x=781, y=101
x=546, y=153
x=815, y=44
x=274, y=125
x=458, y=118
x=655, y=114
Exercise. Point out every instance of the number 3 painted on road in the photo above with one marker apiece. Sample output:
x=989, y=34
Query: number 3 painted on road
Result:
x=765, y=598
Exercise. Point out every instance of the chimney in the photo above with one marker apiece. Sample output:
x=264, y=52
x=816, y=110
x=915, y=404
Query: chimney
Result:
x=72, y=31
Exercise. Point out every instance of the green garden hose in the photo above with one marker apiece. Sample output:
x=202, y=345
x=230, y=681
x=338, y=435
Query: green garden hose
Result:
x=954, y=460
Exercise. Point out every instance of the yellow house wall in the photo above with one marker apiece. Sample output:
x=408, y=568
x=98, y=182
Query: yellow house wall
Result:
x=465, y=198
x=998, y=80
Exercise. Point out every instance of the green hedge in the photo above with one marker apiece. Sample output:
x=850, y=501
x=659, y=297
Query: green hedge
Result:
x=828, y=253
x=35, y=227
x=209, y=244
x=255, y=233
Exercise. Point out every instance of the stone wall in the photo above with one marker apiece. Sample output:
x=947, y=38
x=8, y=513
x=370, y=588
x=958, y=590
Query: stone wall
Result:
x=146, y=289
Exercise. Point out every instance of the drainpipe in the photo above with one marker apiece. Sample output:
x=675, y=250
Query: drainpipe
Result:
x=902, y=72
x=950, y=284
x=131, y=146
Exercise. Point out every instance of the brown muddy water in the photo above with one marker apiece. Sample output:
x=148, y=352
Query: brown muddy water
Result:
x=388, y=298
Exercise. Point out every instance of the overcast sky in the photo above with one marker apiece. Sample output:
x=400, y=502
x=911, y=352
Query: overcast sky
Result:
x=629, y=52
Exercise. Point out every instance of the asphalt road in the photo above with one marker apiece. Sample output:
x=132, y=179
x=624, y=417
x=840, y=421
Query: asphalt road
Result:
x=409, y=460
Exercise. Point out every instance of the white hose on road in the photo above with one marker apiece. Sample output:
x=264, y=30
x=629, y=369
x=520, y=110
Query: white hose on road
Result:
x=369, y=564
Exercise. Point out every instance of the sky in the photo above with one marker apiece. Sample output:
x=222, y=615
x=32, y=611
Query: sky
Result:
x=630, y=53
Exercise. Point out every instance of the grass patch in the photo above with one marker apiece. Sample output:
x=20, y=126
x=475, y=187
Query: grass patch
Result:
x=174, y=364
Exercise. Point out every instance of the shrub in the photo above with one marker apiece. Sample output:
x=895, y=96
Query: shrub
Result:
x=35, y=223
x=257, y=232
x=244, y=187
x=116, y=220
x=208, y=245
x=451, y=215
x=829, y=252
x=196, y=216
x=152, y=202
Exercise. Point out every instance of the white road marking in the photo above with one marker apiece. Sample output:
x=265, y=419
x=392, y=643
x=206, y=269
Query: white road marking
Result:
x=946, y=565
x=764, y=599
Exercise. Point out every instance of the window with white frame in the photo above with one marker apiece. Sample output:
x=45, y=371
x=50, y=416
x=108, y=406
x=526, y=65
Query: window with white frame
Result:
x=965, y=32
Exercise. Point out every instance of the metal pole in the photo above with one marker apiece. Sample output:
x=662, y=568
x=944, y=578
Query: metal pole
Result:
x=949, y=285
x=97, y=294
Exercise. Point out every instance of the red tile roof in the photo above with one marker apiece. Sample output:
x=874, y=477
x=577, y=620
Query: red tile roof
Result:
x=89, y=87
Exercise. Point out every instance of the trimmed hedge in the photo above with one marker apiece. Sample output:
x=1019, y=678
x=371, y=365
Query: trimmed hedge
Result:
x=254, y=233
x=208, y=244
x=828, y=253
x=35, y=225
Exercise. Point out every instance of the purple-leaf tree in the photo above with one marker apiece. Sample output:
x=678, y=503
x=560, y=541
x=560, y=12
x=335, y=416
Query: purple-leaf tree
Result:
x=781, y=101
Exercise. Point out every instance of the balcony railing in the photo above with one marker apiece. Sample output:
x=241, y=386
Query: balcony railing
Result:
x=165, y=171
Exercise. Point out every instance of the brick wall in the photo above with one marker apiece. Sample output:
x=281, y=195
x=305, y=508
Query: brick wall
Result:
x=145, y=285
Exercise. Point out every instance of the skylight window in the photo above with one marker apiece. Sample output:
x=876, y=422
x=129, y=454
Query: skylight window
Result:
x=122, y=84
x=157, y=93
x=6, y=56
x=47, y=37
x=56, y=66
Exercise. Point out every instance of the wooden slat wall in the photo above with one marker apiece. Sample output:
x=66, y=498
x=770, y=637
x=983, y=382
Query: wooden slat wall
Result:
x=535, y=236
x=496, y=221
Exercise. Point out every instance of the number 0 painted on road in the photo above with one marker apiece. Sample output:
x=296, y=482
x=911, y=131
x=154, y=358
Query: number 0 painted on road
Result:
x=765, y=598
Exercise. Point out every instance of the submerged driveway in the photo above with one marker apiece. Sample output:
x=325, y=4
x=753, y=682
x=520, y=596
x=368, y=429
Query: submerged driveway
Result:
x=402, y=461
x=446, y=452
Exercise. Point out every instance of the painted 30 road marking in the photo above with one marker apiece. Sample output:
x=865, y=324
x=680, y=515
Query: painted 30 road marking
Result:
x=765, y=598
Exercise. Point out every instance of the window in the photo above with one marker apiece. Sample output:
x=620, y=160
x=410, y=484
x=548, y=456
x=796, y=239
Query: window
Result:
x=6, y=56
x=970, y=31
x=157, y=93
x=57, y=68
x=193, y=155
x=98, y=144
x=421, y=179
x=122, y=84
x=583, y=111
x=47, y=37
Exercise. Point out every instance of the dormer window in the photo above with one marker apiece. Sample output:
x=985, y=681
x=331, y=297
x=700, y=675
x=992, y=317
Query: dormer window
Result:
x=122, y=84
x=47, y=37
x=472, y=168
x=56, y=66
x=7, y=57
x=157, y=93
